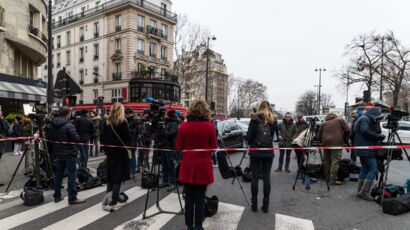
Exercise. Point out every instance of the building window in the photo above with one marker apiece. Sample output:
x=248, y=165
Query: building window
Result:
x=117, y=68
x=31, y=18
x=81, y=76
x=96, y=51
x=70, y=14
x=96, y=74
x=163, y=73
x=163, y=9
x=60, y=19
x=164, y=53
x=153, y=23
x=140, y=46
x=96, y=29
x=164, y=30
x=117, y=23
x=97, y=4
x=81, y=33
x=118, y=45
x=58, y=59
x=140, y=23
x=152, y=50
x=68, y=40
x=68, y=57
x=82, y=11
x=58, y=41
x=81, y=54
x=95, y=93
x=115, y=93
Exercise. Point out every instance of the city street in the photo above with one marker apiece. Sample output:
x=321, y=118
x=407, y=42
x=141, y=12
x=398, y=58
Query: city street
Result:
x=316, y=209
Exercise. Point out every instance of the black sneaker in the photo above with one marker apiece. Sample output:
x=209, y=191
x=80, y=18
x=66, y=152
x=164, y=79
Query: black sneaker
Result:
x=56, y=200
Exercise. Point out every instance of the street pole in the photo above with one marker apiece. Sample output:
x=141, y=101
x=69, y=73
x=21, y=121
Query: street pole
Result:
x=347, y=93
x=381, y=72
x=320, y=86
x=207, y=67
x=50, y=93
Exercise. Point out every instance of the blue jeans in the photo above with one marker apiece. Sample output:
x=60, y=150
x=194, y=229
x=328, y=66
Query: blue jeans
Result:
x=133, y=162
x=84, y=154
x=369, y=168
x=63, y=163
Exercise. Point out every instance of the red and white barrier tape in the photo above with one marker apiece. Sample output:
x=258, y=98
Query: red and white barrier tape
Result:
x=219, y=149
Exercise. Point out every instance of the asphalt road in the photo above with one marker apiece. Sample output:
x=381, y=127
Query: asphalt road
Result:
x=338, y=208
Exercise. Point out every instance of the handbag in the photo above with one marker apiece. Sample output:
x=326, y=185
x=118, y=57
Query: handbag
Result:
x=32, y=196
x=122, y=142
x=211, y=206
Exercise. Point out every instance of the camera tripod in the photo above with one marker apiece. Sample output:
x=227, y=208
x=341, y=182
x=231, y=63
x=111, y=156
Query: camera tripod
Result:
x=302, y=169
x=391, y=141
x=234, y=173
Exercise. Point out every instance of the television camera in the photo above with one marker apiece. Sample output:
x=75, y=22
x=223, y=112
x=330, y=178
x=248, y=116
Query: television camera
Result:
x=393, y=119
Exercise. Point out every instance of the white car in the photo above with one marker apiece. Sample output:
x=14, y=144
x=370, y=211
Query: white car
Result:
x=403, y=131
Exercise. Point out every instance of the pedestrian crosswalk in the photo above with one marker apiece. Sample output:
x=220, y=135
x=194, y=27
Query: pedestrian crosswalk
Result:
x=90, y=215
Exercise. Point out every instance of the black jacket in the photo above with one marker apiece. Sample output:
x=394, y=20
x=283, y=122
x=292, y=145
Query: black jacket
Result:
x=171, y=131
x=85, y=128
x=251, y=135
x=62, y=130
x=4, y=128
x=133, y=125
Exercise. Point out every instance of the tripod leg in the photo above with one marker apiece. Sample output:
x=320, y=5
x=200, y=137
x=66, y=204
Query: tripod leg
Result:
x=18, y=166
x=179, y=199
x=237, y=178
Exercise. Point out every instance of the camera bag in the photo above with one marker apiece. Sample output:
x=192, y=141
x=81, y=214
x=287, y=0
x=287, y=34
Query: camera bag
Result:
x=224, y=169
x=149, y=180
x=102, y=171
x=398, y=205
x=32, y=196
x=211, y=206
x=247, y=174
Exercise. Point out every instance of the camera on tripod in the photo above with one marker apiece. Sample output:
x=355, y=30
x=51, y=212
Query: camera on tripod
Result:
x=393, y=119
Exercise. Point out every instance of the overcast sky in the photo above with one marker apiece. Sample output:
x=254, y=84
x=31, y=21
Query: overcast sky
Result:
x=281, y=42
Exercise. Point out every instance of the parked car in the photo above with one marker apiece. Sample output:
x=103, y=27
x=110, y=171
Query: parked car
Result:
x=403, y=131
x=232, y=134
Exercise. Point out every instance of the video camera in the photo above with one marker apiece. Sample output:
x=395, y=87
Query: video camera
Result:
x=393, y=119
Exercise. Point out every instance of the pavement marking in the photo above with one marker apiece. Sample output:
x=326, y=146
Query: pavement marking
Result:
x=96, y=158
x=89, y=215
x=169, y=203
x=45, y=209
x=227, y=217
x=283, y=222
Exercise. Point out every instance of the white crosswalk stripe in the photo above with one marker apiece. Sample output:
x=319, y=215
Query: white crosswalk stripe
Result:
x=227, y=217
x=283, y=222
x=42, y=210
x=169, y=203
x=93, y=213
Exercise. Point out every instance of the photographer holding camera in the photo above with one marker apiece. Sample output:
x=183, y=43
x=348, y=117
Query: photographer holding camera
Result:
x=367, y=133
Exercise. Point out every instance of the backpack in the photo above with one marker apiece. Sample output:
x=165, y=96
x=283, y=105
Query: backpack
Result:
x=263, y=136
x=102, y=171
x=211, y=206
x=31, y=195
x=398, y=205
x=344, y=169
x=225, y=170
x=247, y=175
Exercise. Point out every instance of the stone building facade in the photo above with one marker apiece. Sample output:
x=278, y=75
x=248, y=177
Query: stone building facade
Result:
x=112, y=48
x=23, y=47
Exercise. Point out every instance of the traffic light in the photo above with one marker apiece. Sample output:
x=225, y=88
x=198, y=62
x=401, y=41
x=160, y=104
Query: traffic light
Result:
x=70, y=100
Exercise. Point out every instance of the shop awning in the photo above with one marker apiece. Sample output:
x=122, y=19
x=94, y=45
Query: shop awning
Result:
x=20, y=88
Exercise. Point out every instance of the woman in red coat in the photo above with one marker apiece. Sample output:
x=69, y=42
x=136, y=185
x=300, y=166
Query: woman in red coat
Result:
x=196, y=170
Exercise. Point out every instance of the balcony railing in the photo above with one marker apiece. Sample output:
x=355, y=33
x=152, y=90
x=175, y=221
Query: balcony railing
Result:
x=116, y=76
x=153, y=55
x=96, y=56
x=58, y=45
x=156, y=32
x=117, y=28
x=81, y=38
x=44, y=38
x=115, y=3
x=96, y=35
x=140, y=52
x=33, y=30
x=95, y=80
x=164, y=58
x=81, y=59
x=81, y=82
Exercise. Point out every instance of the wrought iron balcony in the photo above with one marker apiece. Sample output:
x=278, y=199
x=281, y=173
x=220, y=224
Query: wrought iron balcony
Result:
x=96, y=35
x=116, y=76
x=81, y=59
x=81, y=38
x=33, y=30
x=140, y=52
x=117, y=28
x=140, y=29
x=96, y=56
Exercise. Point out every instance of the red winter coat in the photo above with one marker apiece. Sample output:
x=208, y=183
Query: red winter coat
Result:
x=196, y=167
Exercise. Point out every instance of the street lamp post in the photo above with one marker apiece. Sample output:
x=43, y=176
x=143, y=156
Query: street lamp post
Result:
x=207, y=67
x=50, y=93
x=381, y=39
x=319, y=86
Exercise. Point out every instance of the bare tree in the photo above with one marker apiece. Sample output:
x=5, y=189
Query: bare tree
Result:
x=250, y=94
x=396, y=66
x=326, y=101
x=232, y=93
x=307, y=103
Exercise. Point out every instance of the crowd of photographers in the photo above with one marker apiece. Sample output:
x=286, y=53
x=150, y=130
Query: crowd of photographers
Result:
x=124, y=127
